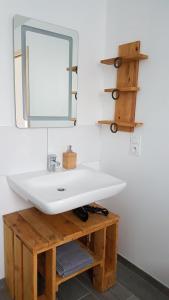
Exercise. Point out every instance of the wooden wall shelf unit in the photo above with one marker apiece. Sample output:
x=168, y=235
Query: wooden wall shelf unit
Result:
x=31, y=239
x=125, y=93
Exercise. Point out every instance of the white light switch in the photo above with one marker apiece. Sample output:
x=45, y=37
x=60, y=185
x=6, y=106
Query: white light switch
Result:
x=135, y=145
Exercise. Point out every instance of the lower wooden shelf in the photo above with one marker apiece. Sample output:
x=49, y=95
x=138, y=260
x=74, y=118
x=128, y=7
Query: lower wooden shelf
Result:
x=59, y=279
x=96, y=262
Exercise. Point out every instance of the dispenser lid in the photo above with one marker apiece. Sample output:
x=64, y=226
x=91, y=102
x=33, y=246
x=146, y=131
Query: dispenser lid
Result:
x=69, y=148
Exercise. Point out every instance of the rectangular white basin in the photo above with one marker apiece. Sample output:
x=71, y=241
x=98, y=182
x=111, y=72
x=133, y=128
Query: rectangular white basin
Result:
x=53, y=193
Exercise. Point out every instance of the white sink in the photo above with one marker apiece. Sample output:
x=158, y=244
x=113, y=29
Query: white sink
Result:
x=53, y=193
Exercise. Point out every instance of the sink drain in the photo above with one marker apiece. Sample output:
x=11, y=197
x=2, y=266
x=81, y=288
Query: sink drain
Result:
x=61, y=189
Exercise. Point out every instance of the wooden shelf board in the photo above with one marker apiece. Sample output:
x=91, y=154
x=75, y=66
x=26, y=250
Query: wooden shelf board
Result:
x=73, y=69
x=97, y=261
x=60, y=279
x=110, y=61
x=124, y=124
x=123, y=89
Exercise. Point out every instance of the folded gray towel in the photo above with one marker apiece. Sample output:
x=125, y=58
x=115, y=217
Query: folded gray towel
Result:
x=69, y=272
x=68, y=247
x=71, y=257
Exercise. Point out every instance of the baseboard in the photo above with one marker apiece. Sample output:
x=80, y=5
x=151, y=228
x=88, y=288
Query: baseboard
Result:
x=157, y=284
x=2, y=283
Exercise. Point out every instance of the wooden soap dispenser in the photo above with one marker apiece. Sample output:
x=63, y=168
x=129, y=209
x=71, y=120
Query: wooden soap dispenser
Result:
x=69, y=158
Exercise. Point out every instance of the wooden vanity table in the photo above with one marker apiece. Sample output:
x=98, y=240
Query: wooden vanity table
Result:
x=31, y=239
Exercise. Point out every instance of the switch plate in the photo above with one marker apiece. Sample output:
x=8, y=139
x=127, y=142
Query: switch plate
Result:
x=135, y=145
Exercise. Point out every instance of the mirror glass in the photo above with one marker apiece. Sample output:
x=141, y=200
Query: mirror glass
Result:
x=46, y=74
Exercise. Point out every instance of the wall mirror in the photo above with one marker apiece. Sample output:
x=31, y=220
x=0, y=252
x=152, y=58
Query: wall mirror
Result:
x=46, y=74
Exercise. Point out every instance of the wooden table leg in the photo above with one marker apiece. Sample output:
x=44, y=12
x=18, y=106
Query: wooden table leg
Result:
x=110, y=265
x=50, y=274
x=29, y=275
x=9, y=259
x=98, y=243
x=105, y=245
x=18, y=262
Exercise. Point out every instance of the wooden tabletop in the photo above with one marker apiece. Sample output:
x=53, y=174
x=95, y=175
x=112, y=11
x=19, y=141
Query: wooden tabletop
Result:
x=39, y=231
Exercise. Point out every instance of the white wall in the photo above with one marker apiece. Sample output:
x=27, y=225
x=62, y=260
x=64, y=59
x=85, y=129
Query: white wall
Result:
x=26, y=150
x=144, y=204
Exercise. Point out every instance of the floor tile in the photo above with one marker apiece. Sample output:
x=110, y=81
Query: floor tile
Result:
x=139, y=287
x=88, y=297
x=85, y=280
x=133, y=298
x=2, y=284
x=120, y=292
x=4, y=295
x=72, y=290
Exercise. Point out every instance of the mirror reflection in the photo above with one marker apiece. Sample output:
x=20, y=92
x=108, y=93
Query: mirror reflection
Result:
x=46, y=69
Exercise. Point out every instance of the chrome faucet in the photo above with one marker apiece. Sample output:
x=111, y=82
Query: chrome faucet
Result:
x=52, y=163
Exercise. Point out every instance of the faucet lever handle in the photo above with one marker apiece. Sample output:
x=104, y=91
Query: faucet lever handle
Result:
x=52, y=157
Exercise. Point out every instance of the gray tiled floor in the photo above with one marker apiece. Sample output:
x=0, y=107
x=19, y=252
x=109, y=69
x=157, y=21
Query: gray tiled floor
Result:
x=139, y=287
x=129, y=286
x=4, y=294
x=118, y=292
